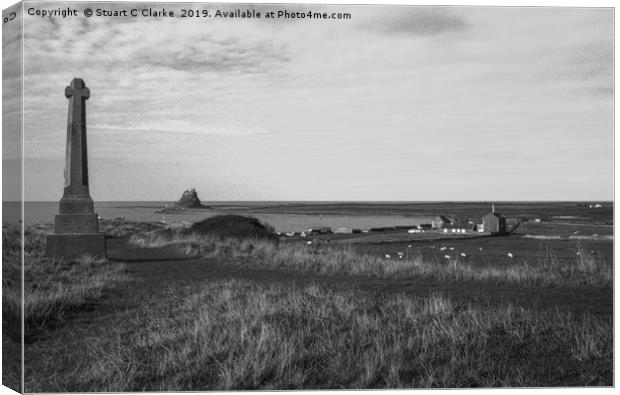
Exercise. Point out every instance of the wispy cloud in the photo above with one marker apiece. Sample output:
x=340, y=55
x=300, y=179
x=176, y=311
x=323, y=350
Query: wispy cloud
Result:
x=179, y=128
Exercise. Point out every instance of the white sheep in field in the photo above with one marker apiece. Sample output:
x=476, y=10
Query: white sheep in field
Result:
x=464, y=255
x=443, y=248
x=388, y=256
x=447, y=256
x=510, y=255
x=451, y=248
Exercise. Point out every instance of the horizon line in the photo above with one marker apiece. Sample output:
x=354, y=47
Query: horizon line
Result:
x=338, y=201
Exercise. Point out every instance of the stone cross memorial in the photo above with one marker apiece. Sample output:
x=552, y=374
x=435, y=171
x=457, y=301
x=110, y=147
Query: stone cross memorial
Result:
x=76, y=227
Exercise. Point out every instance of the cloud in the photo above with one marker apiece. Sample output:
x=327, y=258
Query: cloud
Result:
x=590, y=64
x=423, y=21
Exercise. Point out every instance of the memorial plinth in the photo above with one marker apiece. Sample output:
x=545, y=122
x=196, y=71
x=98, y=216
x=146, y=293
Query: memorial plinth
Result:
x=76, y=227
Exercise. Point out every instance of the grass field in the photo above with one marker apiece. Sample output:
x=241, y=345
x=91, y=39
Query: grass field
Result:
x=233, y=335
x=248, y=314
x=584, y=269
x=494, y=250
x=54, y=291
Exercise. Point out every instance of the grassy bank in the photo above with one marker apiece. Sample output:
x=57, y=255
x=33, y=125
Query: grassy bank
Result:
x=586, y=269
x=238, y=335
x=175, y=333
x=52, y=289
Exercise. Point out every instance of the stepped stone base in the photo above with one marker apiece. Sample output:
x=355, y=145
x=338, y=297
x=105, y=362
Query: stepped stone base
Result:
x=76, y=223
x=75, y=245
x=76, y=204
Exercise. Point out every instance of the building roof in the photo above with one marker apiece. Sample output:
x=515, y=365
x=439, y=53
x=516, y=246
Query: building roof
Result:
x=498, y=215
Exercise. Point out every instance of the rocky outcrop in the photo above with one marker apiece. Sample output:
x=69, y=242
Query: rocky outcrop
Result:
x=189, y=200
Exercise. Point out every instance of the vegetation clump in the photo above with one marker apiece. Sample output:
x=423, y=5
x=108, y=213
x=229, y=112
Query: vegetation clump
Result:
x=120, y=227
x=234, y=227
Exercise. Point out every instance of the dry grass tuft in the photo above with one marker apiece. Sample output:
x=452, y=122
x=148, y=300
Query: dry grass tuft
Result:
x=121, y=228
x=52, y=289
x=56, y=289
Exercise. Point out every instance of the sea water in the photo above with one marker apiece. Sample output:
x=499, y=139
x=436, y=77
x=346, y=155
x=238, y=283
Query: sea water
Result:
x=43, y=213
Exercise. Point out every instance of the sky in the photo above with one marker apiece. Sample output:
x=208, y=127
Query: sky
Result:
x=398, y=103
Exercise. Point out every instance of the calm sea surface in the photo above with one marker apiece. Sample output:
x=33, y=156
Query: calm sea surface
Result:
x=43, y=212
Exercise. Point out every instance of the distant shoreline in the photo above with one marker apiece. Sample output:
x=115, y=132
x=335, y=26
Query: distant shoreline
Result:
x=296, y=216
x=337, y=201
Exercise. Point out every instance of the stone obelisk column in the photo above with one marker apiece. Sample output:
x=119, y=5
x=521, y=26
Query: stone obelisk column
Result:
x=76, y=227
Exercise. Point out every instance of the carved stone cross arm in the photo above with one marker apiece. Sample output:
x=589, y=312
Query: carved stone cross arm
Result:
x=77, y=89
